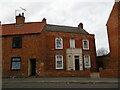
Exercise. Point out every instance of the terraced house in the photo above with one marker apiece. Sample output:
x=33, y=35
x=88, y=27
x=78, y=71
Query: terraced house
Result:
x=41, y=49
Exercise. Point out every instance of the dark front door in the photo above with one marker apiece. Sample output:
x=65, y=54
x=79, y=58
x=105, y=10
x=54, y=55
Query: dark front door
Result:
x=33, y=67
x=77, y=67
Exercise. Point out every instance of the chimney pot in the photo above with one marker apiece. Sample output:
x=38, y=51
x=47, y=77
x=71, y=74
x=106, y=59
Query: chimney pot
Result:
x=19, y=14
x=80, y=25
x=23, y=14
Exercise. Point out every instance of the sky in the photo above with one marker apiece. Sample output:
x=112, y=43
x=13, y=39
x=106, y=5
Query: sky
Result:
x=92, y=13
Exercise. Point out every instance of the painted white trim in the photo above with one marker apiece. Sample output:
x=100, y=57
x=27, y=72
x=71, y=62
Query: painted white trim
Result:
x=84, y=46
x=85, y=62
x=56, y=43
x=56, y=62
x=73, y=58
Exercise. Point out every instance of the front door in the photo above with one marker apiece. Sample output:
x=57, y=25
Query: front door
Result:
x=77, y=67
x=32, y=67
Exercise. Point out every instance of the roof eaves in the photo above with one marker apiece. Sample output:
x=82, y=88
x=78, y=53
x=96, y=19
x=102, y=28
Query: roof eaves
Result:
x=67, y=32
x=19, y=34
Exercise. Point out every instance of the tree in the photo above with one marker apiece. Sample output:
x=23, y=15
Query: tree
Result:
x=102, y=51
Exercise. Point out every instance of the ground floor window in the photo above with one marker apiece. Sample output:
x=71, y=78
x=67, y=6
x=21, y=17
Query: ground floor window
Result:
x=87, y=63
x=15, y=63
x=59, y=61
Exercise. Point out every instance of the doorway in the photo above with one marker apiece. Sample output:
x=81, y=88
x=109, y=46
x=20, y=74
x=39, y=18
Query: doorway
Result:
x=77, y=66
x=32, y=67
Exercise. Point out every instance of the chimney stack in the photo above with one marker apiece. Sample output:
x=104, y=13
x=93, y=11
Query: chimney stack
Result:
x=80, y=25
x=20, y=19
x=44, y=20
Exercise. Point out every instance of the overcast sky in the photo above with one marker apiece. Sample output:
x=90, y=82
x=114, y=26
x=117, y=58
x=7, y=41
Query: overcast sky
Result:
x=92, y=13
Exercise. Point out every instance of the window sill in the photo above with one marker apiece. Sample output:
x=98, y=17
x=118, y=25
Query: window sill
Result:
x=86, y=49
x=59, y=68
x=16, y=47
x=15, y=69
x=59, y=48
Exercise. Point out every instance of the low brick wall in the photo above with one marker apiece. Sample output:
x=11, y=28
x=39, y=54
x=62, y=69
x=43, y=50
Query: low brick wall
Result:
x=65, y=73
x=110, y=73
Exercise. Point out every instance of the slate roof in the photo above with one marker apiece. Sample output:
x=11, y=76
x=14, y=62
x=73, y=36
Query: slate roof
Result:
x=67, y=29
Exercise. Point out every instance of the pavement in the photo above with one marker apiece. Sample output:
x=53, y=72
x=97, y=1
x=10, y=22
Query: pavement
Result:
x=67, y=80
x=61, y=82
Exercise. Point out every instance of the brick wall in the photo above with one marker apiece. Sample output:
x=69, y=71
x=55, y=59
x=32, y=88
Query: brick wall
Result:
x=65, y=73
x=51, y=51
x=61, y=73
x=110, y=73
x=42, y=48
x=31, y=48
x=113, y=27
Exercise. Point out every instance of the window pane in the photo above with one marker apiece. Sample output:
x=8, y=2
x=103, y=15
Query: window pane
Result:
x=58, y=43
x=15, y=65
x=59, y=64
x=85, y=44
x=72, y=43
x=59, y=60
x=87, y=61
x=17, y=42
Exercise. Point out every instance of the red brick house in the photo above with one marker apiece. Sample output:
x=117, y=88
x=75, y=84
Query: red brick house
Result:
x=41, y=49
x=112, y=62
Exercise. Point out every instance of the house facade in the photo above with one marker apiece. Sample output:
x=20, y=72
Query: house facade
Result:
x=41, y=49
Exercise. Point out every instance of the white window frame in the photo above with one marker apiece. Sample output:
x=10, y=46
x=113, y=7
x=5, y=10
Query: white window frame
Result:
x=61, y=43
x=88, y=62
x=57, y=60
x=84, y=48
x=72, y=43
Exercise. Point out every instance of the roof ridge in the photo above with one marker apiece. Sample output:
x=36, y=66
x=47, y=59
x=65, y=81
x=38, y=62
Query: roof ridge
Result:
x=62, y=25
x=66, y=29
x=24, y=23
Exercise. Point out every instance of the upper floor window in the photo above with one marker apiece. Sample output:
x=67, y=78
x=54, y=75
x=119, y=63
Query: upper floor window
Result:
x=17, y=42
x=72, y=43
x=87, y=61
x=59, y=62
x=15, y=63
x=86, y=44
x=59, y=43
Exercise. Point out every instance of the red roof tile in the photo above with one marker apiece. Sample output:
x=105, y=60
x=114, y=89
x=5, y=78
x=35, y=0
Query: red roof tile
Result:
x=13, y=29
